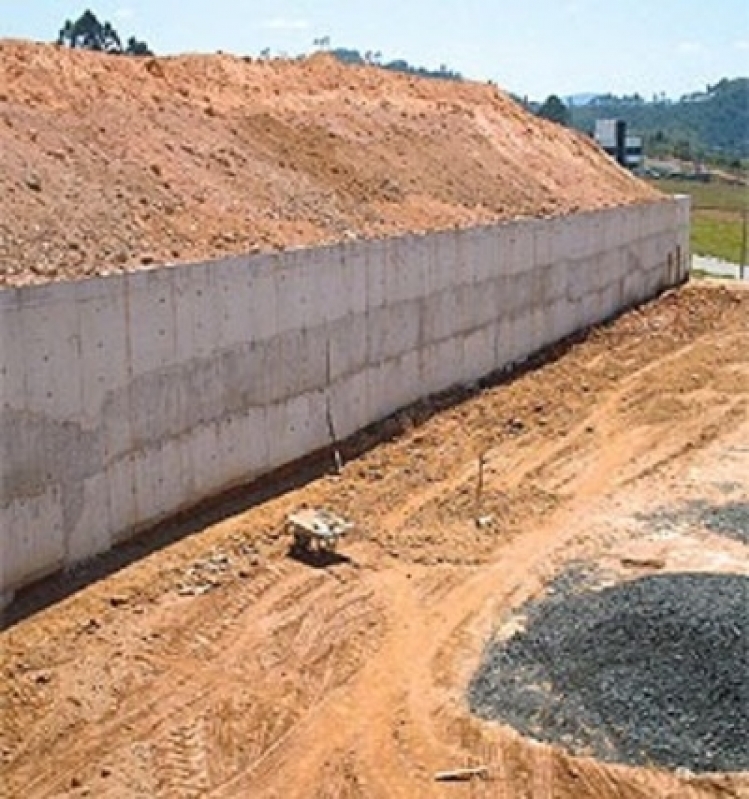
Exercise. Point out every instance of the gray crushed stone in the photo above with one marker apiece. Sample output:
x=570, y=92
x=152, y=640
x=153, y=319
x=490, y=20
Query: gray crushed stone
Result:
x=650, y=672
x=730, y=519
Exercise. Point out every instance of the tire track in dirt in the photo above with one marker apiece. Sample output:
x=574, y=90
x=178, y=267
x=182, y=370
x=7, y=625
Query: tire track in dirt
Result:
x=204, y=618
x=165, y=710
x=181, y=762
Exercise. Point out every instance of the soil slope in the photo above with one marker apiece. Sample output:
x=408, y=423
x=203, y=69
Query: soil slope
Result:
x=114, y=163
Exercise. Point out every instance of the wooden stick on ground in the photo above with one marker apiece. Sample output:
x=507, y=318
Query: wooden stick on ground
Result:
x=480, y=487
x=462, y=774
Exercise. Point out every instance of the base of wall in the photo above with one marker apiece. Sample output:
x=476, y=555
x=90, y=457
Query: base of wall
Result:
x=6, y=600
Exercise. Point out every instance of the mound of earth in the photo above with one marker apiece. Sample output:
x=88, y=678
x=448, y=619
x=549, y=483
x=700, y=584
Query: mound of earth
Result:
x=651, y=671
x=112, y=163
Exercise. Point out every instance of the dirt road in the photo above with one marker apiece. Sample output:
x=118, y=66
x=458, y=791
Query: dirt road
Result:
x=220, y=667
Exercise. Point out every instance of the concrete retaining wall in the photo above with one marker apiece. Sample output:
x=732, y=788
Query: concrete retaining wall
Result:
x=127, y=398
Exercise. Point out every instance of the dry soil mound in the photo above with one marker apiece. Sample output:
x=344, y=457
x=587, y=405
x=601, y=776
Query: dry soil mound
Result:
x=652, y=671
x=109, y=163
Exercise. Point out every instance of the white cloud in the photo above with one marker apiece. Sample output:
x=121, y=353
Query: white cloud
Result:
x=741, y=44
x=285, y=24
x=689, y=48
x=124, y=13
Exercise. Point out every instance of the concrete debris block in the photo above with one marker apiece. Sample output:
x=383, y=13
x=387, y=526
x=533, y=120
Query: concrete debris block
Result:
x=317, y=529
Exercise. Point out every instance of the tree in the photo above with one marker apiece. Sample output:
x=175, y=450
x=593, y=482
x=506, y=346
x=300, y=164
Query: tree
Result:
x=683, y=150
x=66, y=35
x=110, y=39
x=134, y=47
x=555, y=110
x=88, y=33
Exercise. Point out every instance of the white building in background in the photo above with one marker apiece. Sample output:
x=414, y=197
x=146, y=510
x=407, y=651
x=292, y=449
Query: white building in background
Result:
x=633, y=152
x=611, y=136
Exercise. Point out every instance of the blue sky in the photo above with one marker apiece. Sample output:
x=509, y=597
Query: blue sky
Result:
x=532, y=47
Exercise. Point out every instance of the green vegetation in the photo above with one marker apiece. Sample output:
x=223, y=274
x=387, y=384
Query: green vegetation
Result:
x=715, y=196
x=711, y=125
x=721, y=238
x=555, y=110
x=354, y=57
x=718, y=209
x=88, y=33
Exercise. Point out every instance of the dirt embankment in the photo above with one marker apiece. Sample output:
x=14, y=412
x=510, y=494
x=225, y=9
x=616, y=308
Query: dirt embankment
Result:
x=115, y=163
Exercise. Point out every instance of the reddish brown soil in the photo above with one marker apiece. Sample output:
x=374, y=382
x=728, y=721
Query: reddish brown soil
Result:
x=111, y=163
x=220, y=667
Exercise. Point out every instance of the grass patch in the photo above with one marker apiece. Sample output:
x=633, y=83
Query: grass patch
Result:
x=717, y=215
x=718, y=238
x=714, y=196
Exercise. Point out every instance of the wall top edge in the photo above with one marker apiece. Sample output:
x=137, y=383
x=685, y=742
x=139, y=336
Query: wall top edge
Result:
x=99, y=286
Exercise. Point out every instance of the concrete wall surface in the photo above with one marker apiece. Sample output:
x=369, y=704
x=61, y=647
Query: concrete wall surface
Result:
x=125, y=399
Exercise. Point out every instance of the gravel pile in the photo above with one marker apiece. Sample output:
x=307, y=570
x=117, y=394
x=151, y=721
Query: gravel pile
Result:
x=730, y=519
x=654, y=671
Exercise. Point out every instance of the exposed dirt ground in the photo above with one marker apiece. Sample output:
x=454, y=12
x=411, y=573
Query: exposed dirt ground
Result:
x=219, y=666
x=111, y=163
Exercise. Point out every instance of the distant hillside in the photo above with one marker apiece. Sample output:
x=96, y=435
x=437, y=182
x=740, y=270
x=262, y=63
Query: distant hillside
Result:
x=715, y=122
x=582, y=98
